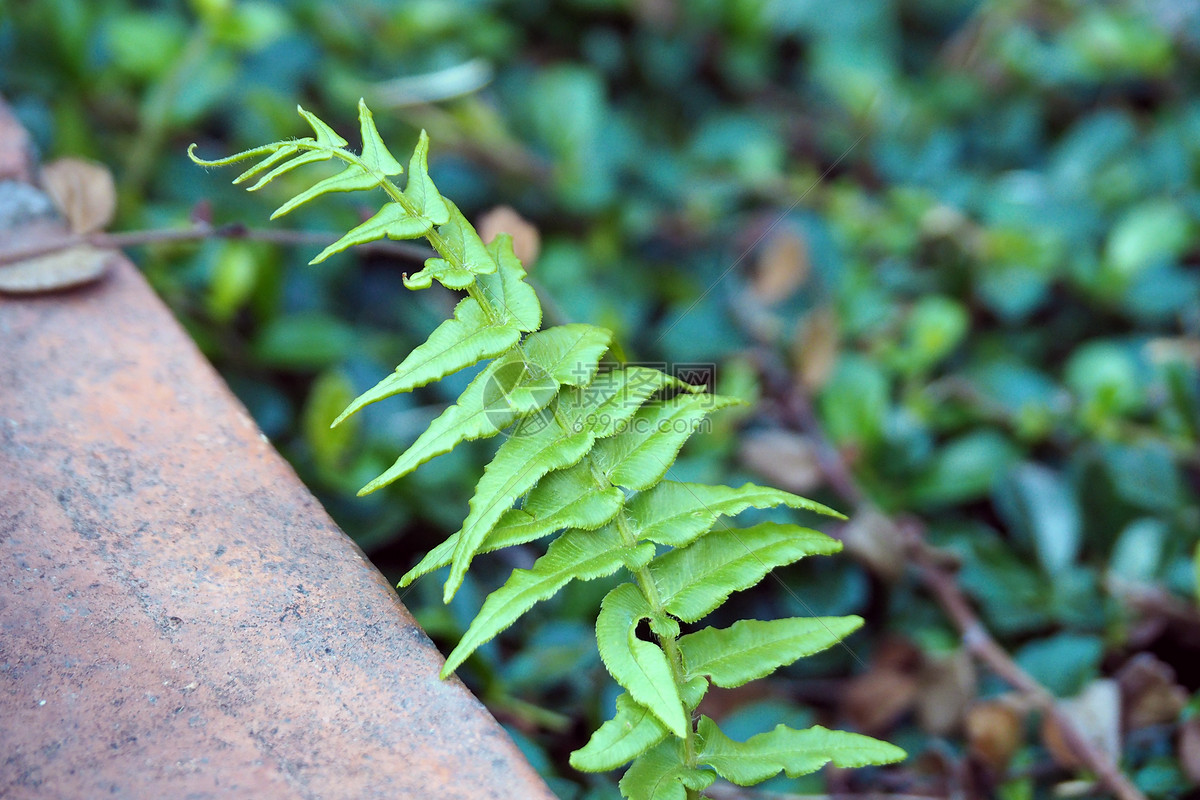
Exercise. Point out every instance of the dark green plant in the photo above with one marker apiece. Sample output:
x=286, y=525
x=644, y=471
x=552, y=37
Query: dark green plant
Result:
x=587, y=451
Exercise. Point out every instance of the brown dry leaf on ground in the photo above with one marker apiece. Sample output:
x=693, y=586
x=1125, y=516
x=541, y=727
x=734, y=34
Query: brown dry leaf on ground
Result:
x=785, y=459
x=1149, y=693
x=879, y=697
x=64, y=269
x=947, y=685
x=994, y=732
x=815, y=350
x=873, y=538
x=527, y=242
x=1096, y=713
x=783, y=267
x=83, y=191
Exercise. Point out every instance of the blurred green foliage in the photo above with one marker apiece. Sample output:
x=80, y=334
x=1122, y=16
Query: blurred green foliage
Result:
x=993, y=213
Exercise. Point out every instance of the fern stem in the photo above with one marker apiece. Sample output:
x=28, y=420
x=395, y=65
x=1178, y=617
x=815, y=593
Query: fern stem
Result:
x=649, y=589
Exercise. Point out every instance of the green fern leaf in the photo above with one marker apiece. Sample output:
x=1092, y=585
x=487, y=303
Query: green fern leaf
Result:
x=752, y=649
x=568, y=353
x=633, y=731
x=795, y=752
x=639, y=456
x=576, y=555
x=518, y=464
x=507, y=290
x=663, y=774
x=640, y=667
x=305, y=157
x=564, y=499
x=694, y=580
x=521, y=461
x=392, y=222
x=375, y=154
x=675, y=514
x=503, y=392
x=327, y=137
x=460, y=247
x=420, y=189
x=351, y=179
x=454, y=345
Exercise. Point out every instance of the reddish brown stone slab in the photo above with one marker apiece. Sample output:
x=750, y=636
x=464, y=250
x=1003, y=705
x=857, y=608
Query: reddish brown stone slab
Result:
x=179, y=618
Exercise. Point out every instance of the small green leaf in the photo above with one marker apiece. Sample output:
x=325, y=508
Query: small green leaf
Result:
x=392, y=221
x=518, y=464
x=752, y=649
x=480, y=412
x=662, y=774
x=454, y=345
x=326, y=136
x=374, y=152
x=351, y=179
x=564, y=499
x=461, y=245
x=576, y=555
x=694, y=580
x=633, y=731
x=640, y=667
x=442, y=271
x=420, y=189
x=639, y=456
x=795, y=752
x=675, y=514
x=308, y=157
x=507, y=290
x=569, y=353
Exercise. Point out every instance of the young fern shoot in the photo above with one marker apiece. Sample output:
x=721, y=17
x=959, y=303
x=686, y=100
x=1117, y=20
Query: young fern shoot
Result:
x=586, y=458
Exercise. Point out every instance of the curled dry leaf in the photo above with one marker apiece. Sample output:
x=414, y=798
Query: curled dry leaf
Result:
x=74, y=266
x=875, y=700
x=874, y=539
x=83, y=191
x=1149, y=692
x=993, y=730
x=527, y=242
x=946, y=687
x=815, y=350
x=788, y=460
x=1096, y=714
x=783, y=267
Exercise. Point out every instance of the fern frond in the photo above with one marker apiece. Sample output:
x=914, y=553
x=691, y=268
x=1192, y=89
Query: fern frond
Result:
x=675, y=514
x=791, y=751
x=694, y=580
x=576, y=555
x=585, y=458
x=752, y=649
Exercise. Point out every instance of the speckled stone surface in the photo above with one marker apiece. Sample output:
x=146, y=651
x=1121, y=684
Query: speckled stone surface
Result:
x=179, y=618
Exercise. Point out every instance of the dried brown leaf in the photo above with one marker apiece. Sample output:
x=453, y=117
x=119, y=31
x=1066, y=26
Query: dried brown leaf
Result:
x=74, y=266
x=873, y=538
x=947, y=686
x=994, y=732
x=815, y=350
x=1150, y=694
x=1096, y=714
x=783, y=267
x=527, y=242
x=787, y=460
x=875, y=700
x=83, y=191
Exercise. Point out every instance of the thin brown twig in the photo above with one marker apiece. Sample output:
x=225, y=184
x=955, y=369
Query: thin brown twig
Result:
x=119, y=241
x=941, y=582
